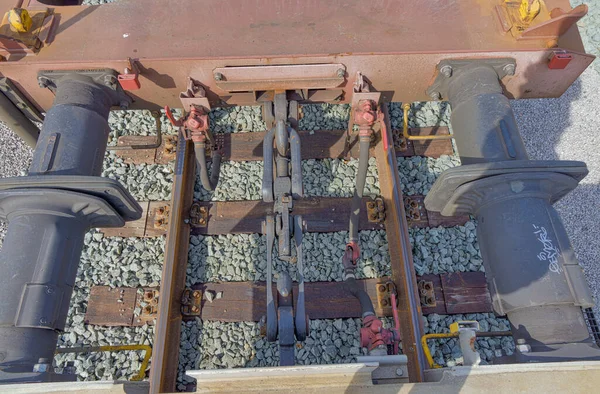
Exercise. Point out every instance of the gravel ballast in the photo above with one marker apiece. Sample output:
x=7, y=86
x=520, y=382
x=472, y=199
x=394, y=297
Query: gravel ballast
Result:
x=417, y=174
x=243, y=257
x=115, y=262
x=242, y=180
x=442, y=250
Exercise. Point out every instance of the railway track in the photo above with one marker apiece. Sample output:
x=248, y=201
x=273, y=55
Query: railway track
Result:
x=223, y=257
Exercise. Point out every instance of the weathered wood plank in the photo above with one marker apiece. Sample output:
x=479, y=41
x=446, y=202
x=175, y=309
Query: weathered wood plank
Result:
x=321, y=214
x=136, y=228
x=111, y=306
x=322, y=144
x=245, y=301
x=164, y=154
x=465, y=292
x=431, y=148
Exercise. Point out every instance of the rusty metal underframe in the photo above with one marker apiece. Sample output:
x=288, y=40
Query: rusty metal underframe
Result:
x=395, y=44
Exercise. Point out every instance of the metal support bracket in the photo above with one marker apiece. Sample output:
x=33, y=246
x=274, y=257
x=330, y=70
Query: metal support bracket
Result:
x=414, y=210
x=449, y=68
x=161, y=217
x=147, y=301
x=376, y=210
x=191, y=302
x=426, y=293
x=12, y=92
x=198, y=215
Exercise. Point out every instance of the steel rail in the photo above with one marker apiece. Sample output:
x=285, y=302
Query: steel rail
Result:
x=163, y=373
x=400, y=250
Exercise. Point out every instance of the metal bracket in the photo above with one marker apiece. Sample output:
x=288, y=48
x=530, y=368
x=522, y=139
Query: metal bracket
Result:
x=12, y=92
x=194, y=95
x=103, y=76
x=147, y=301
x=284, y=77
x=414, y=210
x=129, y=79
x=449, y=68
x=198, y=215
x=191, y=302
x=156, y=144
x=161, y=217
x=376, y=210
x=384, y=296
x=543, y=24
x=426, y=293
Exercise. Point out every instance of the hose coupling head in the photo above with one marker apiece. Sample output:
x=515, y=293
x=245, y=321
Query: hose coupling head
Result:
x=350, y=257
x=373, y=336
x=194, y=124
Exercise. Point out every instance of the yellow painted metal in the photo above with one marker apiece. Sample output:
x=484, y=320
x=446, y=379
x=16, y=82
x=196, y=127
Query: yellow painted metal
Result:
x=115, y=348
x=452, y=334
x=405, y=134
x=427, y=351
x=529, y=9
x=20, y=20
x=454, y=327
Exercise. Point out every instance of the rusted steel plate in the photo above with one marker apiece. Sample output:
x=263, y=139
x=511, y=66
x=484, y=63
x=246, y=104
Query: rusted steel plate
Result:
x=111, y=306
x=463, y=291
x=157, y=223
x=416, y=214
x=402, y=72
x=403, y=272
x=165, y=356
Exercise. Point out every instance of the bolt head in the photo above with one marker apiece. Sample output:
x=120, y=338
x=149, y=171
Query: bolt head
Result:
x=42, y=367
x=218, y=76
x=435, y=96
x=42, y=82
x=446, y=71
x=509, y=69
x=399, y=372
x=341, y=72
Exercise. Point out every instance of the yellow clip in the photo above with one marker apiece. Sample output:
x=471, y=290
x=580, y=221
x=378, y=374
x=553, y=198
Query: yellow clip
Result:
x=20, y=20
x=529, y=10
x=454, y=327
x=408, y=137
